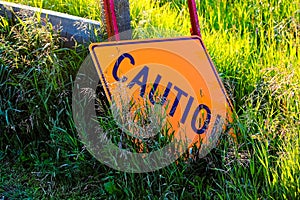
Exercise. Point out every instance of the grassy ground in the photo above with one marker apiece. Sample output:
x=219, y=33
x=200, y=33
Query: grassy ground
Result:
x=255, y=47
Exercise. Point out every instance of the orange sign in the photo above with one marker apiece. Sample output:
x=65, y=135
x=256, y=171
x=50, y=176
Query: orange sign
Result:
x=176, y=73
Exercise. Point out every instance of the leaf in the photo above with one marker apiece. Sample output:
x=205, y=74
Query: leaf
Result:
x=110, y=187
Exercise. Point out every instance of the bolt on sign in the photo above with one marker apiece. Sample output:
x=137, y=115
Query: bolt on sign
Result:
x=176, y=74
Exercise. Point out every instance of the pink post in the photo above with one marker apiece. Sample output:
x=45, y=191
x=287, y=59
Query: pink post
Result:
x=111, y=20
x=195, y=30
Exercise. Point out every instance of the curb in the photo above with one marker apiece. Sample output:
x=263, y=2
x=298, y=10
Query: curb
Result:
x=75, y=29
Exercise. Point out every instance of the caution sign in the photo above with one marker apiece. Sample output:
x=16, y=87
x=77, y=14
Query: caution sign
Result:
x=176, y=74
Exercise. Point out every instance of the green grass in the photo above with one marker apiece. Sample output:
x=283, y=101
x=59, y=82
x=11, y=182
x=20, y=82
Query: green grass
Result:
x=255, y=47
x=90, y=9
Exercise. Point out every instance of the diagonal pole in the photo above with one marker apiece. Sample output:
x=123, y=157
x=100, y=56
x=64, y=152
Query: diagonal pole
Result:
x=195, y=30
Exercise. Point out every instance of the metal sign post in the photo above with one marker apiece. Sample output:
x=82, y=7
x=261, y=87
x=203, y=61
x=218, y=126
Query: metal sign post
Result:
x=111, y=20
x=112, y=24
x=195, y=30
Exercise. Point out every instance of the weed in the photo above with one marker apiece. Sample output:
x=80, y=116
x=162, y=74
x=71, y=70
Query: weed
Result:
x=254, y=45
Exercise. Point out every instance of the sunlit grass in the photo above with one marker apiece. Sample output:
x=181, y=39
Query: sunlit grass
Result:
x=255, y=47
x=89, y=8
